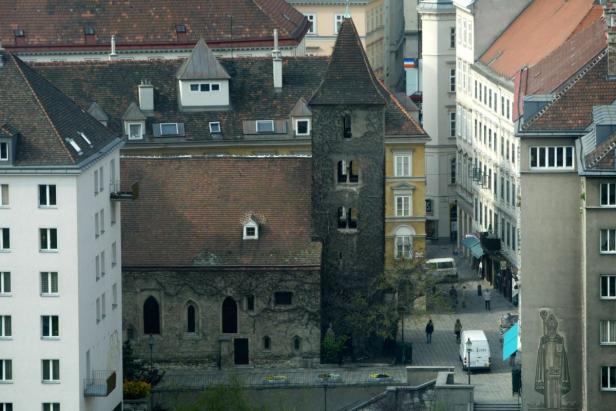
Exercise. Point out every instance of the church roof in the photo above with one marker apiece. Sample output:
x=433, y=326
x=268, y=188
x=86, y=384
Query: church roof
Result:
x=202, y=65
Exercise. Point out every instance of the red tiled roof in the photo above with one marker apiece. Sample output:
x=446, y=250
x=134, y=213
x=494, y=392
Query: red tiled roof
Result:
x=190, y=212
x=572, y=108
x=537, y=31
x=559, y=66
x=49, y=24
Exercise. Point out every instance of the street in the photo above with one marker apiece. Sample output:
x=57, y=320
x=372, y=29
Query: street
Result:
x=492, y=386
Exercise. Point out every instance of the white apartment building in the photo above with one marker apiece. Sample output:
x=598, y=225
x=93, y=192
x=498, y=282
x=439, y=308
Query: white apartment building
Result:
x=60, y=252
x=439, y=116
x=494, y=41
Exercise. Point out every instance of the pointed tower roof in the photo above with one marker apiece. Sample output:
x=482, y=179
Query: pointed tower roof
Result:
x=201, y=65
x=349, y=78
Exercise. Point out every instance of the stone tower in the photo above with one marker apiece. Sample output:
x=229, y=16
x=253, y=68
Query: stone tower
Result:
x=348, y=177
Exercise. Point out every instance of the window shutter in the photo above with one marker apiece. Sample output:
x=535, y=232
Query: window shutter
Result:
x=250, y=127
x=156, y=129
x=355, y=168
x=280, y=126
x=181, y=129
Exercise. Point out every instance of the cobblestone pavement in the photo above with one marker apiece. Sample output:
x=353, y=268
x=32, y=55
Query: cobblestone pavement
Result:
x=492, y=386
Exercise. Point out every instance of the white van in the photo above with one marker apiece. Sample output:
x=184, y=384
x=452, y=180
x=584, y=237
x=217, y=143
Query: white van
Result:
x=442, y=268
x=480, y=349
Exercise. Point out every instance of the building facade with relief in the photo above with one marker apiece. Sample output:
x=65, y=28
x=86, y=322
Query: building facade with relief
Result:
x=266, y=107
x=60, y=277
x=45, y=30
x=568, y=182
x=489, y=58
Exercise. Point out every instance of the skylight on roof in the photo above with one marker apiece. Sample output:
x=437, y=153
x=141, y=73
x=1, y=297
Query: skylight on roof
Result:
x=75, y=146
x=85, y=138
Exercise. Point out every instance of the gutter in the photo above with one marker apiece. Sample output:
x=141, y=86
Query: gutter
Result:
x=258, y=267
x=486, y=71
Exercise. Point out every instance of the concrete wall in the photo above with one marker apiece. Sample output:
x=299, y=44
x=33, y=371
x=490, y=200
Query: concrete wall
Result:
x=551, y=222
x=207, y=290
x=595, y=264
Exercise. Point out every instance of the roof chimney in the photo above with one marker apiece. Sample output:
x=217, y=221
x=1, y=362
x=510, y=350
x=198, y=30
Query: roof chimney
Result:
x=113, y=53
x=277, y=63
x=609, y=15
x=146, y=96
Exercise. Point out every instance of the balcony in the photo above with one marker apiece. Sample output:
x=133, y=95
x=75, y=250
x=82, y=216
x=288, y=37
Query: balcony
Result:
x=101, y=384
x=116, y=194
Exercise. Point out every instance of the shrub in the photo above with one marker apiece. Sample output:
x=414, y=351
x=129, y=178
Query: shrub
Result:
x=136, y=389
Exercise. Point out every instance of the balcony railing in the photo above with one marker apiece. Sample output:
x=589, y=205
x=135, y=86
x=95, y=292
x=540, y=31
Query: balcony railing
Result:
x=101, y=383
x=117, y=194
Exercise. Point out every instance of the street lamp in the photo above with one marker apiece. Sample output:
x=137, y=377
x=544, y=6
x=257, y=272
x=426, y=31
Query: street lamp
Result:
x=151, y=345
x=469, y=346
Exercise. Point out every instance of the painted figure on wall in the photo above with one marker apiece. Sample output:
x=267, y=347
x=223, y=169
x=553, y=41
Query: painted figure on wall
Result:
x=552, y=375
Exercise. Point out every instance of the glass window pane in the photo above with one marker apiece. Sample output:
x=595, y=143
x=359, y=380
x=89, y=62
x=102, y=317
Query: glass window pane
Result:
x=7, y=326
x=612, y=377
x=54, y=282
x=612, y=291
x=603, y=240
x=52, y=195
x=45, y=326
x=541, y=156
x=604, y=286
x=552, y=156
x=559, y=157
x=54, y=238
x=569, y=157
x=612, y=240
x=604, y=379
x=604, y=192
x=46, y=370
x=612, y=194
x=44, y=282
x=43, y=239
x=55, y=326
x=56, y=369
x=6, y=238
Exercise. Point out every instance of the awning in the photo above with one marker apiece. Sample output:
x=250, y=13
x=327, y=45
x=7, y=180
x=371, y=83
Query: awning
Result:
x=477, y=250
x=470, y=241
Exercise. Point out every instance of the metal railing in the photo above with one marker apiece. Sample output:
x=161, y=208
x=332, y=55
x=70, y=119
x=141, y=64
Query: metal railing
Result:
x=101, y=383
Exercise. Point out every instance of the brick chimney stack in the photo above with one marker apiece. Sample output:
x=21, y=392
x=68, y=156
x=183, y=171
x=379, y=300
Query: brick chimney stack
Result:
x=609, y=14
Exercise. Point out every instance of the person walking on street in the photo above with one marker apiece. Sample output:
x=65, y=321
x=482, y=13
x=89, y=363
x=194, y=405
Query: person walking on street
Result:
x=487, y=297
x=453, y=297
x=457, y=329
x=429, y=331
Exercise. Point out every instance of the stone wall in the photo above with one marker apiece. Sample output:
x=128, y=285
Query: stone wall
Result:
x=206, y=290
x=351, y=258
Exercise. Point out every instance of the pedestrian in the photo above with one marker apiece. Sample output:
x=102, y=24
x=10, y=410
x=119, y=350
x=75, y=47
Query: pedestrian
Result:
x=457, y=329
x=429, y=331
x=487, y=297
x=453, y=297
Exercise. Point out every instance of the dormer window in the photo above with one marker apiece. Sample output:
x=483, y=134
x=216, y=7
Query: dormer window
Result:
x=215, y=127
x=205, y=87
x=265, y=126
x=168, y=129
x=180, y=28
x=251, y=230
x=135, y=131
x=4, y=151
x=302, y=127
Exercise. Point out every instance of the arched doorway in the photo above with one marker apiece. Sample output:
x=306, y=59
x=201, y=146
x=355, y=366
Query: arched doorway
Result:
x=151, y=316
x=229, y=316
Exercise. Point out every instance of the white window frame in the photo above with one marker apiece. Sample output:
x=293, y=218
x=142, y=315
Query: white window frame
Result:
x=403, y=203
x=402, y=157
x=610, y=370
x=338, y=19
x=4, y=189
x=251, y=224
x=545, y=164
x=296, y=128
x=50, y=279
x=4, y=376
x=103, y=265
x=4, y=320
x=5, y=290
x=263, y=122
x=610, y=189
x=160, y=125
x=312, y=18
x=2, y=245
x=452, y=80
x=50, y=319
x=605, y=294
x=403, y=237
x=4, y=157
x=48, y=248
x=215, y=127
x=47, y=203
x=607, y=332
x=114, y=296
x=50, y=406
x=134, y=136
x=610, y=233
x=114, y=254
x=49, y=363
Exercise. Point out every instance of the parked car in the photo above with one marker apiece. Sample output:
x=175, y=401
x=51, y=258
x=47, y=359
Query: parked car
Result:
x=443, y=269
x=480, y=356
